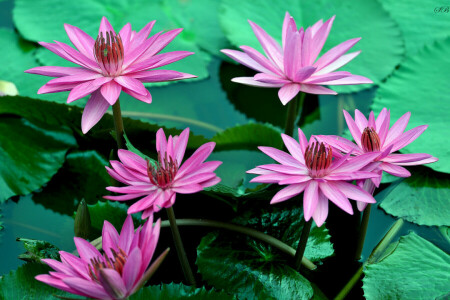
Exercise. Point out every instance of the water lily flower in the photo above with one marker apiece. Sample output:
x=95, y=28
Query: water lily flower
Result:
x=115, y=274
x=310, y=167
x=375, y=136
x=158, y=183
x=112, y=63
x=294, y=67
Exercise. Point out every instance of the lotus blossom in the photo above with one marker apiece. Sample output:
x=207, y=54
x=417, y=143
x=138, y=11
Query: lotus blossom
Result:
x=294, y=67
x=375, y=136
x=310, y=167
x=112, y=63
x=158, y=183
x=115, y=274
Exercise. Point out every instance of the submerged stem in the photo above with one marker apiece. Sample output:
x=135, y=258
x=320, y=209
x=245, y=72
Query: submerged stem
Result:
x=293, y=110
x=362, y=232
x=302, y=244
x=118, y=124
x=180, y=248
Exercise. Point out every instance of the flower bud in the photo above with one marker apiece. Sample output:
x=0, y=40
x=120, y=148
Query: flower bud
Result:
x=82, y=220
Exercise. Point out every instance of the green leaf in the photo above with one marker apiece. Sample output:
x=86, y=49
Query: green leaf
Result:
x=420, y=87
x=113, y=211
x=83, y=176
x=20, y=284
x=200, y=20
x=248, y=136
x=381, y=37
x=416, y=269
x=248, y=269
x=178, y=291
x=44, y=21
x=417, y=16
x=30, y=154
x=37, y=250
x=422, y=198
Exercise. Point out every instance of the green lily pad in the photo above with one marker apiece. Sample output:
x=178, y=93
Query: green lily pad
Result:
x=20, y=284
x=423, y=198
x=420, y=87
x=30, y=154
x=200, y=20
x=413, y=16
x=248, y=136
x=381, y=37
x=248, y=269
x=37, y=250
x=83, y=176
x=416, y=269
x=43, y=21
x=178, y=291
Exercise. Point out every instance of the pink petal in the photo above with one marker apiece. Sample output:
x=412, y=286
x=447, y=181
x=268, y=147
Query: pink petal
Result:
x=361, y=120
x=125, y=197
x=382, y=124
x=285, y=169
x=86, y=250
x=140, y=53
x=57, y=283
x=110, y=238
x=306, y=48
x=142, y=35
x=147, y=98
x=111, y=91
x=310, y=199
x=340, y=62
x=125, y=35
x=180, y=146
x=407, y=158
x=46, y=89
x=293, y=55
x=322, y=79
x=321, y=212
x=397, y=129
x=270, y=46
x=288, y=92
x=336, y=196
x=162, y=41
x=144, y=203
x=93, y=111
x=161, y=141
x=197, y=158
x=244, y=59
x=272, y=178
x=60, y=267
x=262, y=60
x=251, y=82
x=78, y=57
x=131, y=84
x=340, y=143
x=85, y=75
x=289, y=27
x=302, y=141
x=188, y=189
x=408, y=137
x=126, y=234
x=288, y=192
x=160, y=75
x=319, y=39
x=293, y=179
x=105, y=26
x=304, y=73
x=133, y=161
x=352, y=79
x=280, y=156
x=354, y=129
x=132, y=268
x=334, y=53
x=76, y=263
x=353, y=192
x=86, y=88
x=269, y=78
x=81, y=40
x=395, y=170
x=157, y=61
x=60, y=52
x=55, y=71
x=316, y=89
x=294, y=148
x=112, y=282
x=356, y=163
x=355, y=175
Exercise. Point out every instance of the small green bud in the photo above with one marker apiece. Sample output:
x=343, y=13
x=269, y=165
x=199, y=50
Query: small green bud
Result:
x=82, y=221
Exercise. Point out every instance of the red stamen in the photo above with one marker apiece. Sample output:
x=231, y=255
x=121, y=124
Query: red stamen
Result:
x=109, y=53
x=162, y=173
x=370, y=141
x=117, y=262
x=318, y=157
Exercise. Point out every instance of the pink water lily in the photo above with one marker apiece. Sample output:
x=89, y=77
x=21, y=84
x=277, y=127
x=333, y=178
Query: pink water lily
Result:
x=374, y=136
x=310, y=167
x=158, y=183
x=116, y=273
x=112, y=63
x=294, y=67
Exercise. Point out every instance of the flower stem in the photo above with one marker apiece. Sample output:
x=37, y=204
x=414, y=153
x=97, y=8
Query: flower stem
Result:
x=236, y=228
x=302, y=244
x=293, y=109
x=362, y=232
x=118, y=124
x=180, y=248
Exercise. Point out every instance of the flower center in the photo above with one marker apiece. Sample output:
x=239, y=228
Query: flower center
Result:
x=108, y=53
x=318, y=158
x=116, y=263
x=370, y=140
x=162, y=173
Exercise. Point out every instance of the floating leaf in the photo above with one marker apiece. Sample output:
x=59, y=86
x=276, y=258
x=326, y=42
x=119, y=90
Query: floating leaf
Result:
x=30, y=155
x=429, y=18
x=37, y=250
x=416, y=269
x=44, y=21
x=423, y=198
x=420, y=86
x=381, y=37
x=178, y=291
x=20, y=284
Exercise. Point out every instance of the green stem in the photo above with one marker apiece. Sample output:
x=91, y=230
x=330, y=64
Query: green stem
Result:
x=302, y=244
x=293, y=111
x=236, y=228
x=180, y=248
x=350, y=284
x=118, y=124
x=362, y=232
